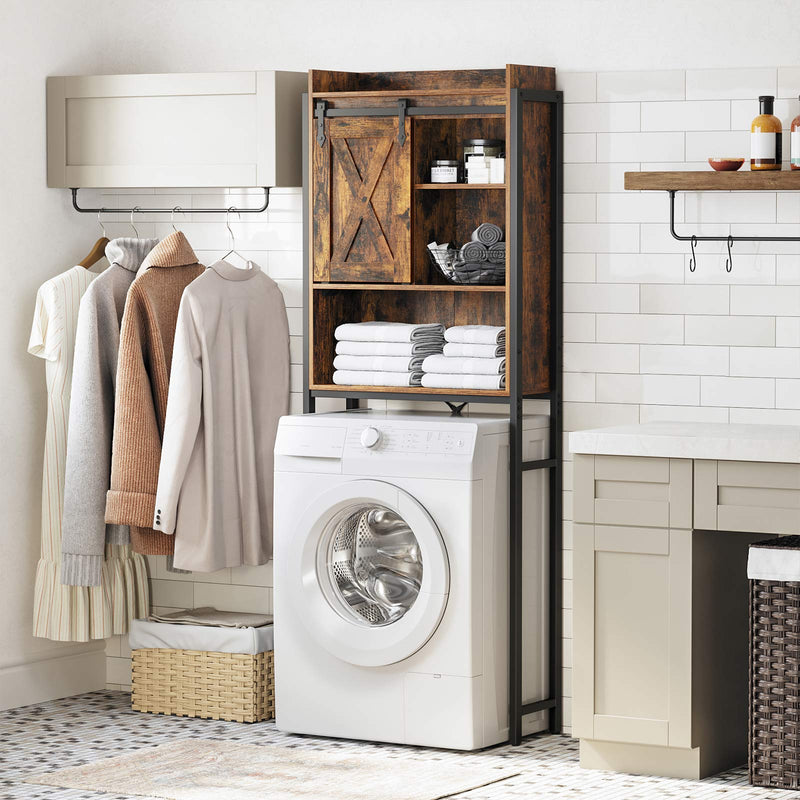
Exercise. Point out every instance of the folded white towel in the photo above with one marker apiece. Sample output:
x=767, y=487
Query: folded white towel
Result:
x=437, y=380
x=388, y=332
x=476, y=334
x=379, y=363
x=458, y=350
x=352, y=377
x=424, y=348
x=449, y=365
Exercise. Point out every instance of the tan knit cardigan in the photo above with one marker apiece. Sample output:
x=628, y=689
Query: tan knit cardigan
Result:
x=140, y=404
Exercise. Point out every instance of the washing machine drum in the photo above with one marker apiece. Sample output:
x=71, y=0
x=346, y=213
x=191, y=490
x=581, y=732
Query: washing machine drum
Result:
x=371, y=572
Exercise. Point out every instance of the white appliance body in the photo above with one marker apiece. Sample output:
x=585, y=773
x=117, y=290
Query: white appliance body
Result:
x=420, y=657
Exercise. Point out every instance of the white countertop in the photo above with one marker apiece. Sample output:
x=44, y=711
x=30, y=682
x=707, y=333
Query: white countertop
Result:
x=713, y=441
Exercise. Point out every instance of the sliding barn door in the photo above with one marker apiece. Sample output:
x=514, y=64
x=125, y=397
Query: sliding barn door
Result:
x=362, y=197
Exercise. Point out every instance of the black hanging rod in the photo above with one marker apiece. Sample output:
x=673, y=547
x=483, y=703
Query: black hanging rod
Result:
x=727, y=238
x=140, y=210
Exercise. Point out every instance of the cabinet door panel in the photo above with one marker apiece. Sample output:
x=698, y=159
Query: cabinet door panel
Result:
x=362, y=200
x=747, y=496
x=632, y=648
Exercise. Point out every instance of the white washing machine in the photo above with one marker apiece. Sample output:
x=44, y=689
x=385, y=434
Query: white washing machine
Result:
x=391, y=577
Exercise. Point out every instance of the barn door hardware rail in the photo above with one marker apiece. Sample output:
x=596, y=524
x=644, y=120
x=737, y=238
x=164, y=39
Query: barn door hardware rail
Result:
x=140, y=210
x=401, y=110
x=693, y=239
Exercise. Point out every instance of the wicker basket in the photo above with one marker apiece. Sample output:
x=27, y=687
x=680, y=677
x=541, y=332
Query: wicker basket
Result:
x=195, y=683
x=774, y=729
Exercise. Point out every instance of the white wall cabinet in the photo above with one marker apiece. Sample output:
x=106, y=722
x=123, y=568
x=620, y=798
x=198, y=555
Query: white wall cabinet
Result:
x=215, y=129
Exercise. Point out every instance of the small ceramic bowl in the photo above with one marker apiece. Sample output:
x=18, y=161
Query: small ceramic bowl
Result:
x=725, y=163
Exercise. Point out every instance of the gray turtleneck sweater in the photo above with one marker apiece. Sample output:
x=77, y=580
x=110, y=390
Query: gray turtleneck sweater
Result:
x=91, y=416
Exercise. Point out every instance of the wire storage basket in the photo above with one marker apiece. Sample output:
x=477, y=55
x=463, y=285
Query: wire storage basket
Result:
x=451, y=263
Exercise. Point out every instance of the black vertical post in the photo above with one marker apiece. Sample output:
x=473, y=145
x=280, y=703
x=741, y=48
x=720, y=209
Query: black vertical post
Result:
x=556, y=418
x=514, y=354
x=308, y=400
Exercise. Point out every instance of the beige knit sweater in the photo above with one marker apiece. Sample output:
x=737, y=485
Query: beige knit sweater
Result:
x=140, y=405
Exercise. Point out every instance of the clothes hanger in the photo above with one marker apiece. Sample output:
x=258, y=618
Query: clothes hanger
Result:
x=233, y=250
x=172, y=217
x=133, y=211
x=98, y=248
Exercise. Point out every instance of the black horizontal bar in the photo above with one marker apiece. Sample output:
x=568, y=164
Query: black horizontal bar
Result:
x=541, y=95
x=140, y=210
x=443, y=398
x=730, y=238
x=544, y=463
x=538, y=396
x=538, y=705
x=412, y=111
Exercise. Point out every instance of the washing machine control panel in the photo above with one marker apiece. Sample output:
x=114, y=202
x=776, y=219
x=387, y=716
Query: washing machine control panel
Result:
x=389, y=439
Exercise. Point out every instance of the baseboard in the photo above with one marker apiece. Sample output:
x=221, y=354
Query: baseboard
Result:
x=39, y=681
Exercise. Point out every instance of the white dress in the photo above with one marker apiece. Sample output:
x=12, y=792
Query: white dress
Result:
x=65, y=613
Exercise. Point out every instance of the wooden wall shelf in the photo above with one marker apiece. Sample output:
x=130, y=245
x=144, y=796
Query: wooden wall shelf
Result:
x=410, y=390
x=710, y=181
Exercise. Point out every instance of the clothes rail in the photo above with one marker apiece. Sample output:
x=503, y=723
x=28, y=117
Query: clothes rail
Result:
x=141, y=210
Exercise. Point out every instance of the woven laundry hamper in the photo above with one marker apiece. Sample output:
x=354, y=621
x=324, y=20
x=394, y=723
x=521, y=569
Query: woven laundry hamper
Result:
x=774, y=731
x=201, y=671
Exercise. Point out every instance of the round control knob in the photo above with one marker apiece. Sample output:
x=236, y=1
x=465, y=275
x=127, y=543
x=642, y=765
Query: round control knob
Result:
x=370, y=437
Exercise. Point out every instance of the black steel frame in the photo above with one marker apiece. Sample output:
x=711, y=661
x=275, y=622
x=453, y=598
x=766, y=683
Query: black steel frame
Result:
x=517, y=706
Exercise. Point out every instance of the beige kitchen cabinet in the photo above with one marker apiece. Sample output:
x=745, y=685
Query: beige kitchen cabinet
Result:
x=660, y=623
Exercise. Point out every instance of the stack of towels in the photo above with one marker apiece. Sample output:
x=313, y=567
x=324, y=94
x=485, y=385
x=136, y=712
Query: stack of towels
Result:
x=474, y=357
x=384, y=353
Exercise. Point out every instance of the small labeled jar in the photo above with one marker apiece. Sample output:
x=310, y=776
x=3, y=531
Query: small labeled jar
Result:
x=445, y=170
x=487, y=148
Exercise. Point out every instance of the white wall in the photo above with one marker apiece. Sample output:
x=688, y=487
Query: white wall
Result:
x=615, y=239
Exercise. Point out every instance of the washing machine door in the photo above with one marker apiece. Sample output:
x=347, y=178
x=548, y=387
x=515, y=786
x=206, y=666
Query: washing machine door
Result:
x=369, y=569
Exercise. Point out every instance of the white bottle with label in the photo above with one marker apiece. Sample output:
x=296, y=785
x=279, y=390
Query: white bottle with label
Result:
x=794, y=144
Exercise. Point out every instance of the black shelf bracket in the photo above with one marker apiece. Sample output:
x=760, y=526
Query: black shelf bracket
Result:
x=729, y=238
x=140, y=210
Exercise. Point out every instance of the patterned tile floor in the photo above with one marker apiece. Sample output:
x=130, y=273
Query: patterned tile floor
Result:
x=77, y=730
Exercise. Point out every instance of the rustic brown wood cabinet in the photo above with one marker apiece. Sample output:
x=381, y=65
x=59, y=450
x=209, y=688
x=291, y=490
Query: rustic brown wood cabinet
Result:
x=372, y=211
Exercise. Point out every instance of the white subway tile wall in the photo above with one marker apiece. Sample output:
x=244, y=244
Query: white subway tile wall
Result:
x=645, y=338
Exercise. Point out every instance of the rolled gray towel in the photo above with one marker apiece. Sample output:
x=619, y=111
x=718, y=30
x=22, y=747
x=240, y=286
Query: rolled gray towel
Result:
x=497, y=253
x=474, y=251
x=488, y=233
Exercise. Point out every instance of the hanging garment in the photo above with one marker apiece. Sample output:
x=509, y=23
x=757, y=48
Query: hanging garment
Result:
x=140, y=403
x=91, y=425
x=230, y=385
x=63, y=613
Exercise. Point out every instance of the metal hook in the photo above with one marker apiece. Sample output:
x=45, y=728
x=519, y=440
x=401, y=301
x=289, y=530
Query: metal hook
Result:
x=100, y=223
x=729, y=260
x=230, y=230
x=693, y=259
x=172, y=217
x=133, y=211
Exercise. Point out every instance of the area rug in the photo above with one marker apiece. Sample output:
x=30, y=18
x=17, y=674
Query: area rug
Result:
x=201, y=769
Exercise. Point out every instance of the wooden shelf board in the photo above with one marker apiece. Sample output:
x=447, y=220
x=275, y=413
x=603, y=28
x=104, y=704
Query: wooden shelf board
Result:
x=409, y=287
x=709, y=181
x=408, y=93
x=410, y=390
x=459, y=186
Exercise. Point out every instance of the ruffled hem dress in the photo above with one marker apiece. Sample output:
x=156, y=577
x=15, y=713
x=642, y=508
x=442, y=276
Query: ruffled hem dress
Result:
x=73, y=613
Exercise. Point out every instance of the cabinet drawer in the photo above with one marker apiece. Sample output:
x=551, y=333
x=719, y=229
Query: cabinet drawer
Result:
x=626, y=490
x=747, y=496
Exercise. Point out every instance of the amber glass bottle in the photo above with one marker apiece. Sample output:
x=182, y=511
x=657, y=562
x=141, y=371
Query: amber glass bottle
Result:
x=794, y=144
x=765, y=137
